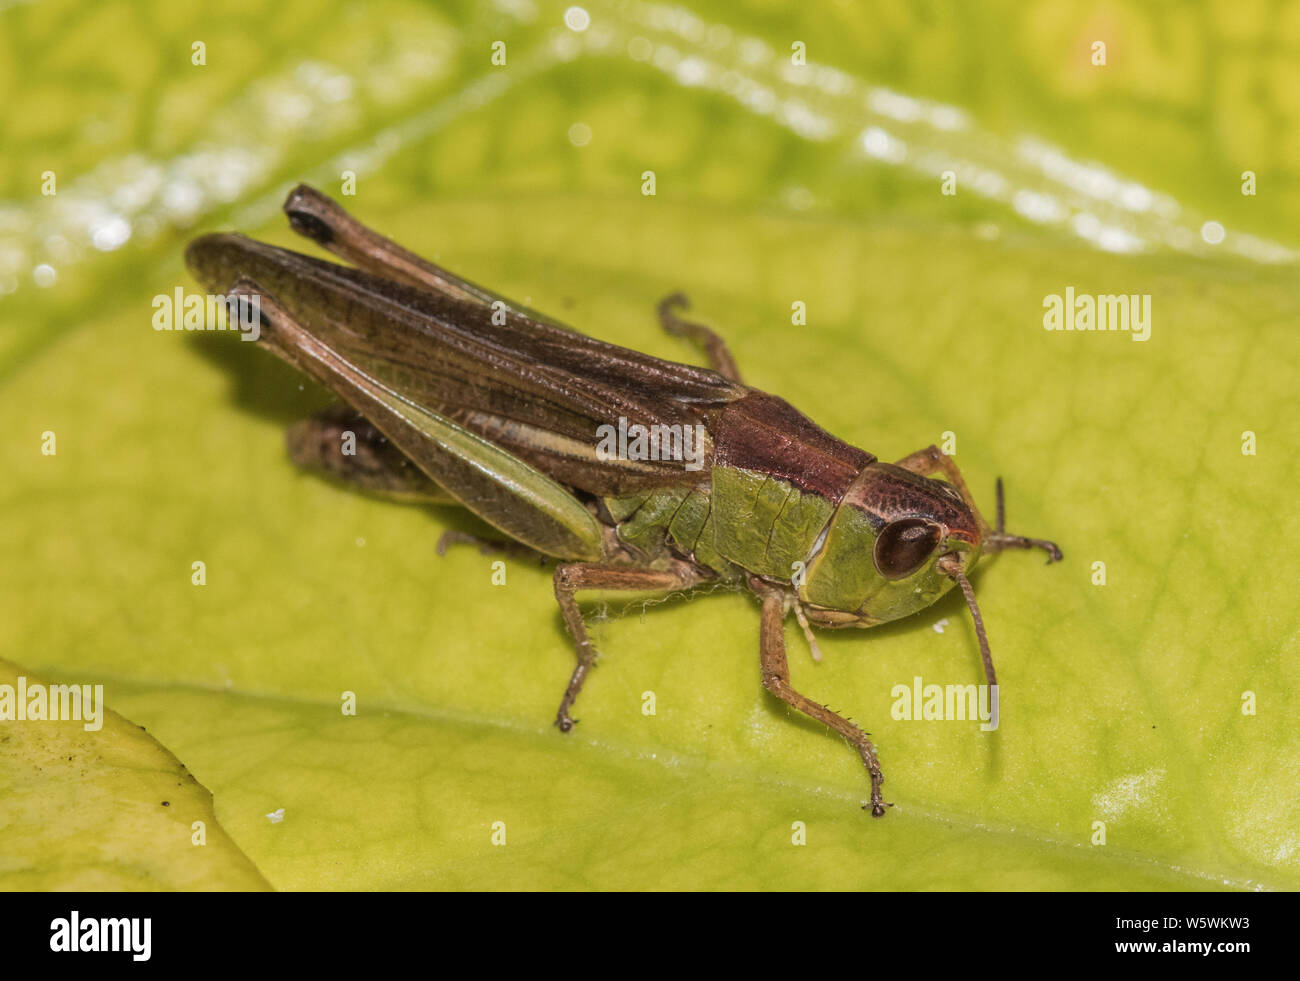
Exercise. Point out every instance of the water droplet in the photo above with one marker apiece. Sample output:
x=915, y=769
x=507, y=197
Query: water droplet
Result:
x=577, y=19
x=579, y=134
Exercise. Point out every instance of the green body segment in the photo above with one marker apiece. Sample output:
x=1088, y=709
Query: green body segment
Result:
x=837, y=578
x=743, y=520
x=678, y=519
x=765, y=524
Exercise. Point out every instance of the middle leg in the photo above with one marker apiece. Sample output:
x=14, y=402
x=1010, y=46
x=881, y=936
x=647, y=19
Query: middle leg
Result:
x=574, y=576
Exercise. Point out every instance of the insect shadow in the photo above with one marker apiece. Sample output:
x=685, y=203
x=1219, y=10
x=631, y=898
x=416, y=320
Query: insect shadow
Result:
x=268, y=389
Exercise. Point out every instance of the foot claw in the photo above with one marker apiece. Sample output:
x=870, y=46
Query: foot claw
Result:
x=449, y=538
x=999, y=539
x=997, y=542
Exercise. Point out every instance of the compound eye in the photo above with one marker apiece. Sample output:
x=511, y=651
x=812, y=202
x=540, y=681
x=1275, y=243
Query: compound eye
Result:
x=903, y=546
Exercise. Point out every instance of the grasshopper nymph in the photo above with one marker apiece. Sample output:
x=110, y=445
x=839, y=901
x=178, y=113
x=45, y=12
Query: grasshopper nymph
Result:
x=461, y=396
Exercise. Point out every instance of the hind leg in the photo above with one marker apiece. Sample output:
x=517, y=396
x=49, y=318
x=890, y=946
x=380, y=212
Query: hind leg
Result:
x=344, y=444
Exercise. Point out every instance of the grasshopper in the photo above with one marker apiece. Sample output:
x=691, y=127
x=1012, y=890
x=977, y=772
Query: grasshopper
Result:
x=458, y=395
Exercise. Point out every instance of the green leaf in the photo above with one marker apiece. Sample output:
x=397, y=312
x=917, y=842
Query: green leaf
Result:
x=1120, y=704
x=93, y=802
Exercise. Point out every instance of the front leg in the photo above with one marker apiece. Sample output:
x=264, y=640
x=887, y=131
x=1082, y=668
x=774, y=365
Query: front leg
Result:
x=930, y=461
x=573, y=576
x=776, y=679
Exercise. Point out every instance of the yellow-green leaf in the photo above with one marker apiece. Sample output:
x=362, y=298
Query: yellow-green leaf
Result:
x=1154, y=712
x=94, y=803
